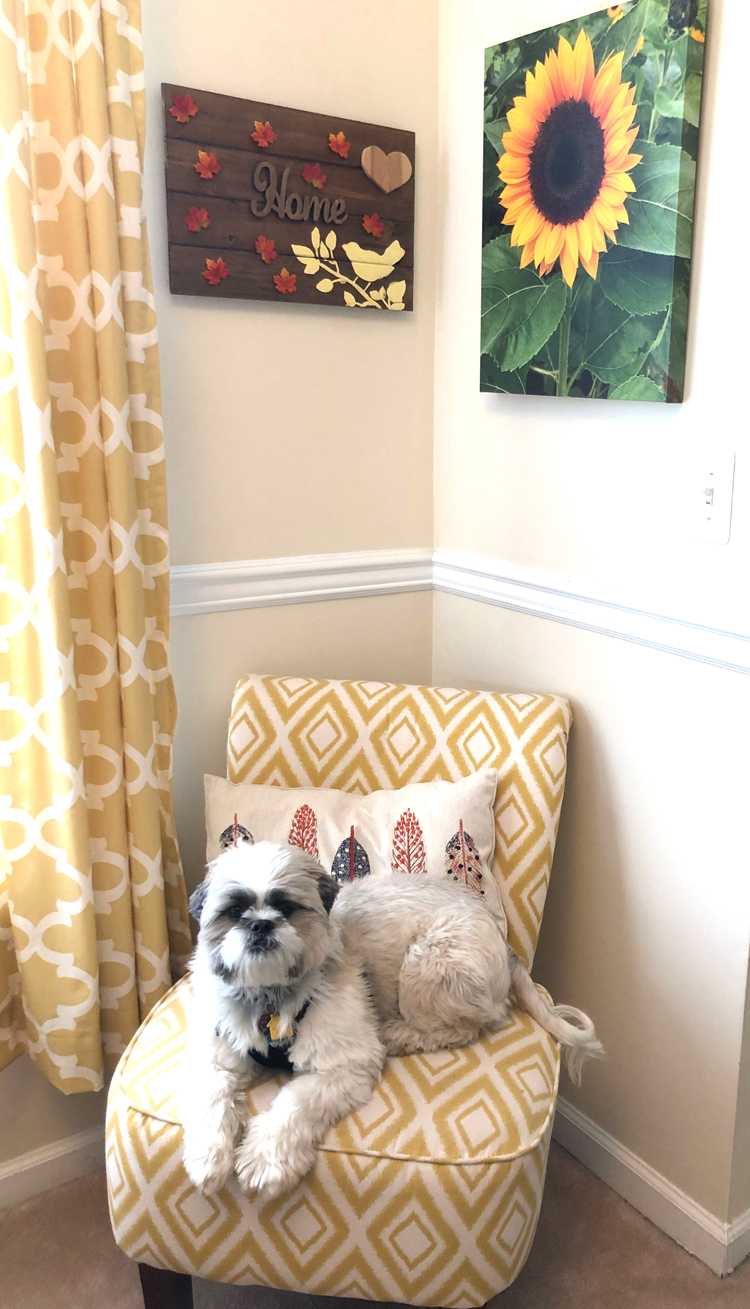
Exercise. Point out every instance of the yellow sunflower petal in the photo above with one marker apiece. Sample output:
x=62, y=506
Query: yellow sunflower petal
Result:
x=555, y=243
x=591, y=265
x=527, y=255
x=567, y=66
x=585, y=244
x=623, y=181
x=605, y=85
x=514, y=145
x=604, y=215
x=539, y=92
x=513, y=167
x=569, y=255
x=585, y=61
x=552, y=65
x=528, y=227
x=597, y=234
x=541, y=243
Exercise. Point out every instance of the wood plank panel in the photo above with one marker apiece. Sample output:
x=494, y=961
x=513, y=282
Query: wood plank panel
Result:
x=233, y=227
x=262, y=192
x=250, y=278
x=238, y=167
x=299, y=134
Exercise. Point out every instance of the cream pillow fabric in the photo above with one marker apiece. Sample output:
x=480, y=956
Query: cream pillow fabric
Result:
x=436, y=829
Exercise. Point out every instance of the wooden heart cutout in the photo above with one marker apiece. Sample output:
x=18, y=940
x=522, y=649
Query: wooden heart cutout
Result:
x=389, y=172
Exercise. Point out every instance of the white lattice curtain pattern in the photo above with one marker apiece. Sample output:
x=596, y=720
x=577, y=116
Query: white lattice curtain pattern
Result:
x=92, y=900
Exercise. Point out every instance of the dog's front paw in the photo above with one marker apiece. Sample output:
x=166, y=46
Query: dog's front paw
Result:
x=270, y=1162
x=208, y=1165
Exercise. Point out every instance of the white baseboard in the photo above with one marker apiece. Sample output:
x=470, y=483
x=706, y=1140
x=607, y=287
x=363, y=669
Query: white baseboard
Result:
x=50, y=1166
x=257, y=583
x=722, y=1246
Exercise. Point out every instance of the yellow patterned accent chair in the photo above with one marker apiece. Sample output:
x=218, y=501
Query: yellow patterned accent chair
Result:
x=430, y=1194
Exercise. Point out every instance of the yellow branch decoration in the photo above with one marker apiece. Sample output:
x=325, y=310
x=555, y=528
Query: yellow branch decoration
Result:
x=368, y=266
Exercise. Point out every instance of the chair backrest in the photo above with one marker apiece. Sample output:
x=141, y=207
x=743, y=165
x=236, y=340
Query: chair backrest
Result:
x=368, y=736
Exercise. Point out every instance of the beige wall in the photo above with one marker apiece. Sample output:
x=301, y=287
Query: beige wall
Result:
x=648, y=920
x=297, y=429
x=591, y=489
x=739, y=1200
x=386, y=638
x=646, y=924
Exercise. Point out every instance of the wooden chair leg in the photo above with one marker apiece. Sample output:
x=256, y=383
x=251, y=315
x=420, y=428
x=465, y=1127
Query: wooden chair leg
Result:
x=163, y=1289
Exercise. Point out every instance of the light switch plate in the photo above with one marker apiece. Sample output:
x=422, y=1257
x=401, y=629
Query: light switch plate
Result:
x=711, y=489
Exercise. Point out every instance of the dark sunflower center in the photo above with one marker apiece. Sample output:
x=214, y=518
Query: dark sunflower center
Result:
x=567, y=162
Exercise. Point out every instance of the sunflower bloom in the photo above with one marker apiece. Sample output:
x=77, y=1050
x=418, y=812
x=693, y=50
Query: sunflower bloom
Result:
x=567, y=163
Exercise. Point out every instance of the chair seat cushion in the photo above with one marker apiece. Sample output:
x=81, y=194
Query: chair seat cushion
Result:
x=488, y=1102
x=427, y=1196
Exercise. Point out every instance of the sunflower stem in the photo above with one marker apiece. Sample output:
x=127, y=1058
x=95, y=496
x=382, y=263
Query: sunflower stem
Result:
x=564, y=342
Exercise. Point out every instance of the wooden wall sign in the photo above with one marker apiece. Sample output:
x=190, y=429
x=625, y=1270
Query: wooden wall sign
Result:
x=266, y=203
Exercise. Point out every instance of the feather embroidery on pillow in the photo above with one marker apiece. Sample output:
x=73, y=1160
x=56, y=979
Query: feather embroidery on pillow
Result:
x=408, y=845
x=350, y=860
x=304, y=831
x=463, y=861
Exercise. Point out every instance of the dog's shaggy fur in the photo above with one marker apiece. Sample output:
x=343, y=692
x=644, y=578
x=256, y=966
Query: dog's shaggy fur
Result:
x=392, y=966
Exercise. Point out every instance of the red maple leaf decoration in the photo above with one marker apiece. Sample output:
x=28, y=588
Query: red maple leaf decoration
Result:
x=183, y=108
x=263, y=135
x=373, y=224
x=266, y=249
x=207, y=164
x=196, y=219
x=285, y=281
x=339, y=144
x=215, y=271
x=312, y=173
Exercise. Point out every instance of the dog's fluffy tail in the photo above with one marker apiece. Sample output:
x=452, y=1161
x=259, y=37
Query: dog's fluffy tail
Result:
x=578, y=1037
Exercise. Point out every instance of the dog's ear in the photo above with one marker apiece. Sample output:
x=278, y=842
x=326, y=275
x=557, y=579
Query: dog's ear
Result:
x=198, y=899
x=328, y=890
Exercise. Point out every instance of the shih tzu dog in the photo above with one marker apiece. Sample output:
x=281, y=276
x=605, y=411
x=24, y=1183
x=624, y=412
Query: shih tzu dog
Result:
x=290, y=971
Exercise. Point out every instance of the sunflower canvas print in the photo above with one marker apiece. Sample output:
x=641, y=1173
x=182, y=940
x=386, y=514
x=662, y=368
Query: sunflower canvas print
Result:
x=591, y=136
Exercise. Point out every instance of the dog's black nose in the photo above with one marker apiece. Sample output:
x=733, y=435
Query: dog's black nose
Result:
x=262, y=926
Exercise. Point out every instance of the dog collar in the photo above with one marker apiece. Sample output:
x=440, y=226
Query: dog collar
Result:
x=277, y=1054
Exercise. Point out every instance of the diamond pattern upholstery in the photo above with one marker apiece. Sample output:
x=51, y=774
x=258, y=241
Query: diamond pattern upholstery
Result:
x=430, y=1194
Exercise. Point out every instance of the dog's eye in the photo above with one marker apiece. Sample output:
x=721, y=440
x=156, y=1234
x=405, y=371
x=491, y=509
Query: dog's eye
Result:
x=235, y=911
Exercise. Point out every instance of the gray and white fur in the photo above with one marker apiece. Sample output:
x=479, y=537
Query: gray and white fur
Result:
x=388, y=965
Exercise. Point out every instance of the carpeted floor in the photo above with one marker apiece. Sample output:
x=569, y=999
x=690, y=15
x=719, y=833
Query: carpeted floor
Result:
x=592, y=1251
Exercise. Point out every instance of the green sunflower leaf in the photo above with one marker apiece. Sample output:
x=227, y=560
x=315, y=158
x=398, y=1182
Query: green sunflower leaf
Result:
x=661, y=210
x=494, y=132
x=520, y=310
x=610, y=342
x=637, y=282
x=638, y=388
x=692, y=102
x=624, y=34
x=492, y=378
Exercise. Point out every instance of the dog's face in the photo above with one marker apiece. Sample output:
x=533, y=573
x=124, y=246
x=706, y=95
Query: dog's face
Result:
x=263, y=912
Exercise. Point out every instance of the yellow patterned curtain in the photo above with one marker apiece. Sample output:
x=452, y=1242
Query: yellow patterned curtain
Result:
x=92, y=900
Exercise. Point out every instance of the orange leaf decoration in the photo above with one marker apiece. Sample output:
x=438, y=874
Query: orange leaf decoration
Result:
x=266, y=249
x=196, y=219
x=339, y=144
x=216, y=270
x=285, y=281
x=207, y=164
x=183, y=108
x=373, y=224
x=312, y=173
x=263, y=135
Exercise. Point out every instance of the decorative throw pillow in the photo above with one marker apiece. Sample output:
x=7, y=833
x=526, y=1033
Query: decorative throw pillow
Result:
x=433, y=829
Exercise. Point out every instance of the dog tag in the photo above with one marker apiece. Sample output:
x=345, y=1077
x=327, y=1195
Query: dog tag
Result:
x=274, y=1028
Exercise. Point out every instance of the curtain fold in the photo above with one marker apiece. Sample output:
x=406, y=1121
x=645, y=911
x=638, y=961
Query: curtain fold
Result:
x=93, y=913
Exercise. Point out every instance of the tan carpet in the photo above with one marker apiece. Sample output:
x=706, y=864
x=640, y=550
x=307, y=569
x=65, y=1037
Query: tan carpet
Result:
x=592, y=1251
